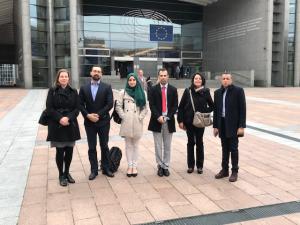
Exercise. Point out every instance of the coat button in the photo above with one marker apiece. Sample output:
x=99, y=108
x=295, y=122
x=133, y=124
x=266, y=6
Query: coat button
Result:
x=127, y=110
x=135, y=111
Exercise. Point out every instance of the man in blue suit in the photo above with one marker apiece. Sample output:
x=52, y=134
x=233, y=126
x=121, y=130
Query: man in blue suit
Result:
x=96, y=100
x=229, y=123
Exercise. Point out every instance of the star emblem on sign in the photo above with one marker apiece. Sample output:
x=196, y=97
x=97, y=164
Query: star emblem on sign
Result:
x=161, y=33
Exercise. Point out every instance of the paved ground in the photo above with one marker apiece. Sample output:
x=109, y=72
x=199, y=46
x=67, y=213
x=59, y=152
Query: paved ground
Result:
x=30, y=193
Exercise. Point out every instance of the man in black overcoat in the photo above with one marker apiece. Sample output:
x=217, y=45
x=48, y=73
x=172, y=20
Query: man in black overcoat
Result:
x=96, y=100
x=229, y=123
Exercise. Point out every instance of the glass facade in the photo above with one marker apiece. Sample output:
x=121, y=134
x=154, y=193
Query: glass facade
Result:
x=291, y=42
x=116, y=35
x=62, y=34
x=39, y=40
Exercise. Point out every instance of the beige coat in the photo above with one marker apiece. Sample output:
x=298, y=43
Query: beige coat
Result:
x=132, y=117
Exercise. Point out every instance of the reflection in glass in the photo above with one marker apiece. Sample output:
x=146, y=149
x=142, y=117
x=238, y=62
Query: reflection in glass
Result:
x=63, y=62
x=121, y=37
x=37, y=36
x=122, y=48
x=94, y=43
x=96, y=19
x=39, y=49
x=96, y=35
x=96, y=27
x=146, y=49
x=126, y=31
x=38, y=2
x=38, y=24
x=62, y=26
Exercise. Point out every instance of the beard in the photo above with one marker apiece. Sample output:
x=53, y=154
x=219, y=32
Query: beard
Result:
x=96, y=77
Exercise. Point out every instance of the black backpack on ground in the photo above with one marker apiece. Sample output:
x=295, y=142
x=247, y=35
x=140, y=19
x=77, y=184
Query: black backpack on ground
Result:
x=115, y=156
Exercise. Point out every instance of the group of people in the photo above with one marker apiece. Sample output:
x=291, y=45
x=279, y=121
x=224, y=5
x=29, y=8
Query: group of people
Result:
x=95, y=100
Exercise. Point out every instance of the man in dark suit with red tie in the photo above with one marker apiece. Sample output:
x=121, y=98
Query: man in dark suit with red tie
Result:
x=163, y=102
x=229, y=123
x=96, y=100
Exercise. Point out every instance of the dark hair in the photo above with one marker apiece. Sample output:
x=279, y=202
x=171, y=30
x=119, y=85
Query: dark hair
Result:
x=56, y=83
x=95, y=66
x=202, y=78
x=162, y=69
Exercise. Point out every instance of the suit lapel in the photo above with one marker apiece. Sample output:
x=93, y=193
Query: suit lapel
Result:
x=169, y=96
x=89, y=92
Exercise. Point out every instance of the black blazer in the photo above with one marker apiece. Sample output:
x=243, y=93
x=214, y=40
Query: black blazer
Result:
x=202, y=101
x=62, y=102
x=155, y=105
x=235, y=111
x=102, y=104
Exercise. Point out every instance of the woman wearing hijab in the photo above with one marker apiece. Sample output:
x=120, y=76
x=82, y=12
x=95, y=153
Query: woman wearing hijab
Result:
x=132, y=109
x=203, y=103
x=62, y=107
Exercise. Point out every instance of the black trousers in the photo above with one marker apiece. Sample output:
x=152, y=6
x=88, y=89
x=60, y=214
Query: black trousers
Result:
x=103, y=134
x=195, y=137
x=229, y=146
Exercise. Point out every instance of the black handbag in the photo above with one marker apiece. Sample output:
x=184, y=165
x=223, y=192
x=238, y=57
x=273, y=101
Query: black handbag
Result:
x=44, y=118
x=115, y=115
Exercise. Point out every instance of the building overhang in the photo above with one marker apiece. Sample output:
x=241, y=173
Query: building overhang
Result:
x=200, y=2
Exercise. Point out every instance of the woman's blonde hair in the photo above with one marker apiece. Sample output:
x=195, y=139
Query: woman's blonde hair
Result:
x=56, y=83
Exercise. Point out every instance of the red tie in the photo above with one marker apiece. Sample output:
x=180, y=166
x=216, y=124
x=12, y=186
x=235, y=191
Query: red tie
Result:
x=163, y=102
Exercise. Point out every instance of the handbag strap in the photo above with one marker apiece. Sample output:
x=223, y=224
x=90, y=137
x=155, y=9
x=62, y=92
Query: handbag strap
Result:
x=192, y=100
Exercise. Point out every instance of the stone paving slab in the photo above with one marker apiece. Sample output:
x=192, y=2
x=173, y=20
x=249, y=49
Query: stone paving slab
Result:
x=18, y=128
x=269, y=173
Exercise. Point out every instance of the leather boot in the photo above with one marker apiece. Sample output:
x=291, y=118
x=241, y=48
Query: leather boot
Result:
x=233, y=177
x=222, y=174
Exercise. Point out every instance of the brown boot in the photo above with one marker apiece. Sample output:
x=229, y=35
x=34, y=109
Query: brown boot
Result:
x=222, y=174
x=233, y=177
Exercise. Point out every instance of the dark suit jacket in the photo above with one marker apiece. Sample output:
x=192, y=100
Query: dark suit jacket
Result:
x=235, y=111
x=102, y=104
x=155, y=103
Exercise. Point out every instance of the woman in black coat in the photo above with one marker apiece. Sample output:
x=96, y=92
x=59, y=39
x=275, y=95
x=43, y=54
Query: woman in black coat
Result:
x=62, y=109
x=203, y=103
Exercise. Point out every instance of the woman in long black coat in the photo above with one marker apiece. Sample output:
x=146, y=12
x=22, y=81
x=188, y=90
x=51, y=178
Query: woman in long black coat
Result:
x=203, y=103
x=62, y=109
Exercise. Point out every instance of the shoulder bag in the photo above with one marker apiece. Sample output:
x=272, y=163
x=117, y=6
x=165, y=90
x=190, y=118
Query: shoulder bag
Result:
x=200, y=120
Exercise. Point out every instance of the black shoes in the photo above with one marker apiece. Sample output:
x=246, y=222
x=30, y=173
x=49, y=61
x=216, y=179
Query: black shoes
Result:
x=70, y=178
x=233, y=177
x=108, y=173
x=134, y=172
x=163, y=172
x=190, y=170
x=63, y=181
x=199, y=170
x=92, y=176
x=222, y=174
x=160, y=171
x=166, y=172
